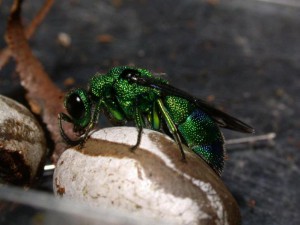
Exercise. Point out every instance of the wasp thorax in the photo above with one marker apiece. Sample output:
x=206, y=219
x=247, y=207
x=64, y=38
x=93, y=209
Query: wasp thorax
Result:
x=130, y=74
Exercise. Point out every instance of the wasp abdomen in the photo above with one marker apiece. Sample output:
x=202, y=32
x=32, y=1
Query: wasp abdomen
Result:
x=203, y=136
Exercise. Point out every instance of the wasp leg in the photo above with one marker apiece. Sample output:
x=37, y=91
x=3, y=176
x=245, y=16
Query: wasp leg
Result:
x=172, y=127
x=154, y=117
x=140, y=123
x=91, y=125
x=139, y=138
x=114, y=112
x=68, y=140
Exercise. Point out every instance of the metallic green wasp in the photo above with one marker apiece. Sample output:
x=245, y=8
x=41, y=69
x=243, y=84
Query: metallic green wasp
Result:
x=134, y=94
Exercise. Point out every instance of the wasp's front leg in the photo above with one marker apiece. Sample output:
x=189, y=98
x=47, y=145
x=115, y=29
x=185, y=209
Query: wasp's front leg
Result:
x=69, y=141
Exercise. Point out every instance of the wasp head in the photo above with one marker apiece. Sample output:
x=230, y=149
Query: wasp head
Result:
x=78, y=105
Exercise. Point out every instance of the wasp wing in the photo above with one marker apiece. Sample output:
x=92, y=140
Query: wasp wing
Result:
x=222, y=119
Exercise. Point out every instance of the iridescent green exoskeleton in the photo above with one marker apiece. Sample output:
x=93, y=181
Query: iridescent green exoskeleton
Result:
x=134, y=94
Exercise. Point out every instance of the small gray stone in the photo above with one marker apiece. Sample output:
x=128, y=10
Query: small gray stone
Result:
x=151, y=181
x=22, y=144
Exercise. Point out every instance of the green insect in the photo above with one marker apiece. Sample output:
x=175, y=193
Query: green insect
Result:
x=134, y=94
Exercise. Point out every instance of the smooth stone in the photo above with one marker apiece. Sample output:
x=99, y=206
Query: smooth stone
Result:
x=22, y=144
x=151, y=181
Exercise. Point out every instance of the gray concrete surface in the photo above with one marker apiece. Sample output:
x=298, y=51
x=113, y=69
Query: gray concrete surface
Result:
x=243, y=54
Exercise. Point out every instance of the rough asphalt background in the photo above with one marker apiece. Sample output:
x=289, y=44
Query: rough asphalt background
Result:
x=243, y=55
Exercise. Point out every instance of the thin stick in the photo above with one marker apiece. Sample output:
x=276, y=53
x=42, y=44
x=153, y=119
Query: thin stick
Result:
x=49, y=167
x=252, y=139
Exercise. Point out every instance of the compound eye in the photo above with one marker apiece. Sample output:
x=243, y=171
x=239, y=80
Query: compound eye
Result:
x=75, y=106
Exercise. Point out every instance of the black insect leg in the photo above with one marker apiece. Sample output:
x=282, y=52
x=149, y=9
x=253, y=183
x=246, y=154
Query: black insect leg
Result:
x=91, y=125
x=68, y=140
x=139, y=138
x=172, y=127
x=140, y=123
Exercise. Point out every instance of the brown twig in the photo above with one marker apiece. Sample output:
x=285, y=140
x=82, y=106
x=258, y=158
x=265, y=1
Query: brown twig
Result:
x=42, y=95
x=5, y=53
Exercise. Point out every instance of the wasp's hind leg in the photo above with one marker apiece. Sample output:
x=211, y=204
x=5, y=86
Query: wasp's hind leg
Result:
x=172, y=127
x=140, y=123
